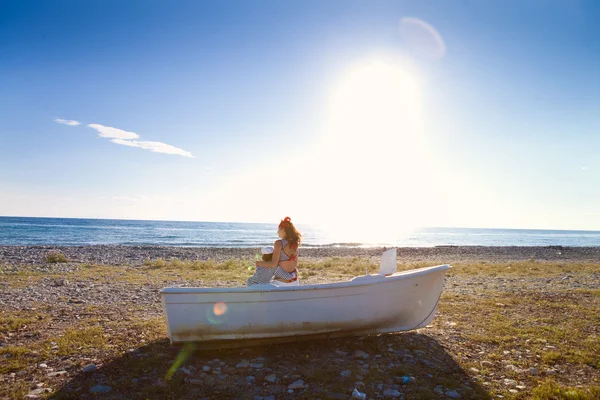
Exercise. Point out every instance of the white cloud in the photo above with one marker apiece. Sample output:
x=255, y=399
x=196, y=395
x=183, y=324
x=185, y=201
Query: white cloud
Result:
x=69, y=122
x=156, y=147
x=113, y=133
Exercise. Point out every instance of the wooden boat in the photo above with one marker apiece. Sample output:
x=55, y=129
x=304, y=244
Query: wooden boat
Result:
x=230, y=317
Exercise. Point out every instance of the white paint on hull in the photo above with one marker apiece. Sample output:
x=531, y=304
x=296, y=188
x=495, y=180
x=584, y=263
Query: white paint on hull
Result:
x=367, y=304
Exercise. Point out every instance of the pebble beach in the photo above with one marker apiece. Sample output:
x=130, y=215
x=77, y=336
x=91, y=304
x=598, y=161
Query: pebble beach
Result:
x=112, y=293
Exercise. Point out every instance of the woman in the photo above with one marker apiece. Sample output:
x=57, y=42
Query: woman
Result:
x=283, y=265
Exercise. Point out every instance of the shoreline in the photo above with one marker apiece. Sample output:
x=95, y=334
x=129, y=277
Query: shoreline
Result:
x=136, y=255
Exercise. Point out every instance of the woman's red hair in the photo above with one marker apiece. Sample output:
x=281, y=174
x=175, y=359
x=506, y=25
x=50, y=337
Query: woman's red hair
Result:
x=292, y=234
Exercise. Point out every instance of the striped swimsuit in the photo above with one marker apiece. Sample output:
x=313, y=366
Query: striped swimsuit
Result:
x=264, y=275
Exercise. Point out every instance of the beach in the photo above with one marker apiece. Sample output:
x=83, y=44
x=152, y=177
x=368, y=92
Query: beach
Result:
x=516, y=322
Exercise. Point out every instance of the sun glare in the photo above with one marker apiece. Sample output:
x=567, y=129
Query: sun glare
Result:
x=370, y=171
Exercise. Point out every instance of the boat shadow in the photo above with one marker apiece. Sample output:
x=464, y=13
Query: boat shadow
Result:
x=409, y=363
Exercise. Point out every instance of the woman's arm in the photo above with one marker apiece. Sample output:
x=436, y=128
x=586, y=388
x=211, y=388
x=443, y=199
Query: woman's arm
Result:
x=289, y=265
x=275, y=260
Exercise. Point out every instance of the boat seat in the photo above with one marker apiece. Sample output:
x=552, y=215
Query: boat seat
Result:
x=388, y=262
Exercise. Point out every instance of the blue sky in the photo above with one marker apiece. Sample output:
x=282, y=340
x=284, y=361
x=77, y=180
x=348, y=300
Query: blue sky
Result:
x=356, y=114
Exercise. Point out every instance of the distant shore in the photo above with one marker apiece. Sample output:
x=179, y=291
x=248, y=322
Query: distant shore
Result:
x=136, y=255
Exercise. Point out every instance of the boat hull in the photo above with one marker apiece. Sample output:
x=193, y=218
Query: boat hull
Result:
x=369, y=304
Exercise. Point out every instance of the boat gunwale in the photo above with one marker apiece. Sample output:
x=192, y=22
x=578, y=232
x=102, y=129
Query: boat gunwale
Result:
x=321, y=286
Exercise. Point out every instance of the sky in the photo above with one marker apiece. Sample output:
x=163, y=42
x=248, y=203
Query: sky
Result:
x=359, y=116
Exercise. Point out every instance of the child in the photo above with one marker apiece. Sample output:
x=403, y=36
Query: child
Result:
x=265, y=274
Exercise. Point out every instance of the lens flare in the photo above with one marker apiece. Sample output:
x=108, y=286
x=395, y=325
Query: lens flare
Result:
x=220, y=308
x=421, y=37
x=217, y=314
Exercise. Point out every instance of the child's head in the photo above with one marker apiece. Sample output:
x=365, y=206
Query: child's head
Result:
x=267, y=253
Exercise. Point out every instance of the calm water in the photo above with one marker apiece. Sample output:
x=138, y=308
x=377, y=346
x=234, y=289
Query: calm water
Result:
x=70, y=231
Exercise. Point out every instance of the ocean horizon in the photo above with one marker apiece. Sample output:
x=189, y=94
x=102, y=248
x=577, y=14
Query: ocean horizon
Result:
x=29, y=231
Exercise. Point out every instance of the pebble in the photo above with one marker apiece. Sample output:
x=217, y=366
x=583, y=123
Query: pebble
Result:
x=299, y=384
x=487, y=363
x=360, y=354
x=100, y=389
x=89, y=368
x=42, y=365
x=206, y=368
x=453, y=394
x=533, y=371
x=391, y=393
x=271, y=378
x=346, y=374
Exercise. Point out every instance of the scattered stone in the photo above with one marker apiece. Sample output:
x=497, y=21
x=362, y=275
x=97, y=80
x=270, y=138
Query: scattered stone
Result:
x=243, y=364
x=57, y=373
x=439, y=390
x=271, y=378
x=550, y=371
x=100, y=389
x=89, y=368
x=473, y=369
x=509, y=382
x=360, y=354
x=346, y=374
x=341, y=353
x=356, y=395
x=391, y=393
x=206, y=368
x=193, y=381
x=487, y=363
x=250, y=379
x=135, y=381
x=42, y=365
x=453, y=394
x=256, y=365
x=299, y=384
x=521, y=387
x=36, y=393
x=533, y=371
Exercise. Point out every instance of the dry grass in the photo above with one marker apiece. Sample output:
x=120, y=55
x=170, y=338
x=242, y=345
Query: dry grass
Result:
x=552, y=328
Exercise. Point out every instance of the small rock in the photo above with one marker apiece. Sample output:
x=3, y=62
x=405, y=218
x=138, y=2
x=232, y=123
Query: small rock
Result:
x=509, y=382
x=487, y=363
x=391, y=393
x=250, y=379
x=243, y=364
x=186, y=371
x=550, y=371
x=57, y=373
x=360, y=354
x=89, y=368
x=439, y=390
x=453, y=394
x=35, y=394
x=346, y=374
x=356, y=395
x=299, y=384
x=42, y=365
x=193, y=381
x=341, y=353
x=256, y=365
x=135, y=381
x=206, y=368
x=533, y=371
x=100, y=389
x=473, y=369
x=521, y=387
x=271, y=378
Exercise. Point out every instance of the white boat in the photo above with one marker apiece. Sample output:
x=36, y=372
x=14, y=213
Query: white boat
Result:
x=230, y=317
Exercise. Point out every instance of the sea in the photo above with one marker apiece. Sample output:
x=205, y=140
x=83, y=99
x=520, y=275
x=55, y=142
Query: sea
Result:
x=25, y=231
